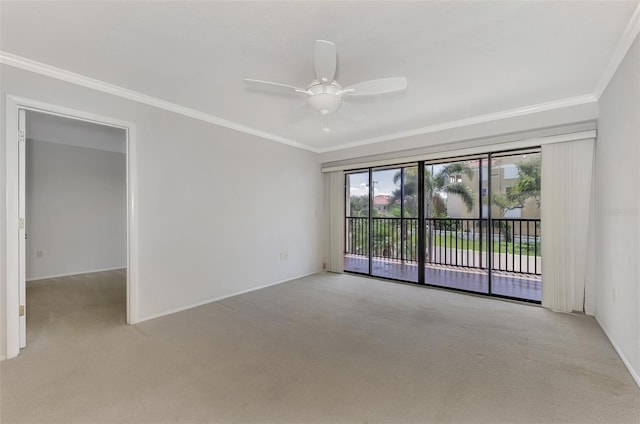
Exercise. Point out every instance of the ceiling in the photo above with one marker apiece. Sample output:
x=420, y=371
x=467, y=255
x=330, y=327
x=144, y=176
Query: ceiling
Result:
x=462, y=59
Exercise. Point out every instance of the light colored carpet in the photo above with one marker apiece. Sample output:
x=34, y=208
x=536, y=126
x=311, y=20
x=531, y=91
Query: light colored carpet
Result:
x=326, y=348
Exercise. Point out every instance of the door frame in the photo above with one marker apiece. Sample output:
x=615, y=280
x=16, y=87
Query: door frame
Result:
x=14, y=325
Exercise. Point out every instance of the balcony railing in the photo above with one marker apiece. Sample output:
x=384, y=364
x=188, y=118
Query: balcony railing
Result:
x=517, y=245
x=459, y=242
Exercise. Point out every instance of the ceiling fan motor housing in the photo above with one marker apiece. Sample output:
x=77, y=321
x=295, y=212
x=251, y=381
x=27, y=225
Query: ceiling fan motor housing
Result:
x=324, y=98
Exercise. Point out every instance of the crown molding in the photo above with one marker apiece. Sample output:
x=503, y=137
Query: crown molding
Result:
x=480, y=119
x=628, y=37
x=84, y=81
x=16, y=61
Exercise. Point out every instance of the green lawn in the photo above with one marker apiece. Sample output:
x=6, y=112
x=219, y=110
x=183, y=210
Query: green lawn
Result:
x=528, y=249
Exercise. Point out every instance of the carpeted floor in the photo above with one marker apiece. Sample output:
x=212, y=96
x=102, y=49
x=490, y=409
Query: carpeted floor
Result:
x=326, y=348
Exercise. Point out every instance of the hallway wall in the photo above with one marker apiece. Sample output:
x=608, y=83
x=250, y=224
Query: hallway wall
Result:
x=76, y=209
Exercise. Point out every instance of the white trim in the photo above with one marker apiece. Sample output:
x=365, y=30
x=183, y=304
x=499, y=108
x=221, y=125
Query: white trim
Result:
x=12, y=288
x=480, y=119
x=13, y=103
x=626, y=362
x=464, y=151
x=65, y=112
x=94, y=84
x=215, y=299
x=132, y=225
x=81, y=80
x=628, y=37
x=46, y=277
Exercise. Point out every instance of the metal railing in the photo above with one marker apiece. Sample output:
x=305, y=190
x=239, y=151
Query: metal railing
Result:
x=517, y=245
x=357, y=242
x=459, y=242
x=395, y=238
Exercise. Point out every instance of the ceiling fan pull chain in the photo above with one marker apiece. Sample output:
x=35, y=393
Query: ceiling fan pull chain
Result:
x=326, y=124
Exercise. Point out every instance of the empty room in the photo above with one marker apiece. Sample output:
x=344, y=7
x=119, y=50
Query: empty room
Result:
x=312, y=211
x=76, y=248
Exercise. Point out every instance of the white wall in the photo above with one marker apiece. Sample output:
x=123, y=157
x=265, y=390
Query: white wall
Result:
x=216, y=207
x=616, y=210
x=76, y=209
x=3, y=236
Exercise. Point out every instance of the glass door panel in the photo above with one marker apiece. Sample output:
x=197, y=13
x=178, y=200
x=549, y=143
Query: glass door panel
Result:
x=456, y=225
x=356, y=256
x=410, y=233
x=394, y=224
x=516, y=225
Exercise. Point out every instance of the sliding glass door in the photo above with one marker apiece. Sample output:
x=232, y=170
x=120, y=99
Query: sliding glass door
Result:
x=469, y=224
x=456, y=224
x=357, y=213
x=516, y=225
x=394, y=223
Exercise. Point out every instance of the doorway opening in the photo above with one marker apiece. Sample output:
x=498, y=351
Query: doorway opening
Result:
x=76, y=226
x=71, y=188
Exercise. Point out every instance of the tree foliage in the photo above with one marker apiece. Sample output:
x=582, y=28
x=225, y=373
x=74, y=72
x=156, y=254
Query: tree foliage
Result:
x=527, y=187
x=359, y=206
x=437, y=187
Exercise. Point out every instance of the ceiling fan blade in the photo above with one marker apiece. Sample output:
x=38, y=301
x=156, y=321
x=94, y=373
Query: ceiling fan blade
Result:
x=377, y=86
x=324, y=60
x=351, y=112
x=274, y=85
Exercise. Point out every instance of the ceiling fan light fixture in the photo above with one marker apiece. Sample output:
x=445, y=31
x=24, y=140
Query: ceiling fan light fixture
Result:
x=324, y=98
x=324, y=94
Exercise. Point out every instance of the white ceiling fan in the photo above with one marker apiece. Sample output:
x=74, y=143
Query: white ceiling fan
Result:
x=324, y=94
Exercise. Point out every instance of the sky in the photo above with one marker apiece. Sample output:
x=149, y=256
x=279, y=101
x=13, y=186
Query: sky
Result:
x=383, y=181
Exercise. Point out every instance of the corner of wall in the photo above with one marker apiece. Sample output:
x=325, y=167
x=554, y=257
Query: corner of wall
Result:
x=617, y=216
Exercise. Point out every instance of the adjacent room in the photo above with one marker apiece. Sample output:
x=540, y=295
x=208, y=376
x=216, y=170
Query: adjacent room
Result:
x=320, y=211
x=76, y=243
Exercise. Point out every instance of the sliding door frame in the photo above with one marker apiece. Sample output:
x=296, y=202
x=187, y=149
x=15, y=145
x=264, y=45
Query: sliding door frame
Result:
x=485, y=232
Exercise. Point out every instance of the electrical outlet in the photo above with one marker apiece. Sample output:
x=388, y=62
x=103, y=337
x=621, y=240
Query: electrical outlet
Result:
x=39, y=254
x=284, y=255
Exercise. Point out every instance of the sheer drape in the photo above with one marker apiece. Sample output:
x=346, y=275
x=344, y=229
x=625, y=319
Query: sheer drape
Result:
x=334, y=201
x=567, y=170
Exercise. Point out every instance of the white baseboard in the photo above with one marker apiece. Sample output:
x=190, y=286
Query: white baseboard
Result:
x=215, y=299
x=626, y=362
x=76, y=273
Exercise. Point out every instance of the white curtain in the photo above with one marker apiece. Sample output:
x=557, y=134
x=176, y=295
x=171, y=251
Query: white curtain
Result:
x=334, y=201
x=566, y=204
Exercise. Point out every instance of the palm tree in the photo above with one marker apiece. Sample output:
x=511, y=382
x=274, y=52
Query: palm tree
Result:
x=437, y=187
x=441, y=185
x=410, y=190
